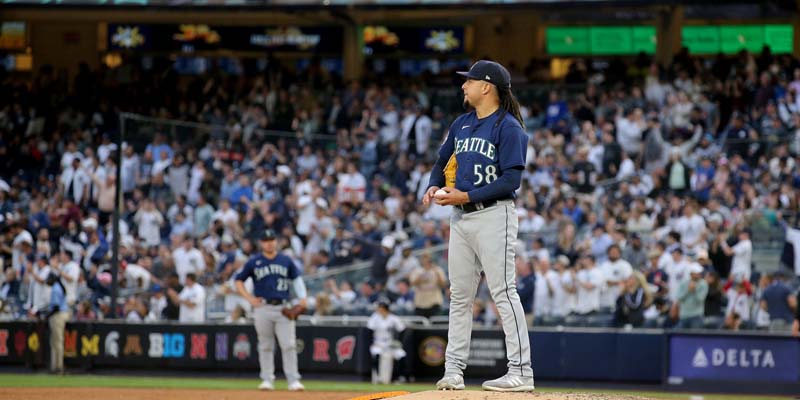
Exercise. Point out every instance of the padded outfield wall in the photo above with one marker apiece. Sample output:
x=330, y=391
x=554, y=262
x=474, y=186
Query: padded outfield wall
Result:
x=708, y=360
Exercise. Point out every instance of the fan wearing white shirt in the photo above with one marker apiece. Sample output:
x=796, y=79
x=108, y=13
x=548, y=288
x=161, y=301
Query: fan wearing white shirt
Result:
x=742, y=252
x=616, y=271
x=543, y=295
x=226, y=214
x=149, y=221
x=629, y=130
x=589, y=281
x=188, y=260
x=192, y=300
x=563, y=304
x=738, y=309
x=70, y=273
x=75, y=182
x=352, y=187
x=691, y=226
x=38, y=290
x=677, y=270
x=137, y=276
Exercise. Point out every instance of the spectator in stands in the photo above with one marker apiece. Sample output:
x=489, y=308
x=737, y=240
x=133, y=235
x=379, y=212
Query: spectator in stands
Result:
x=742, y=253
x=545, y=279
x=429, y=237
x=203, y=215
x=567, y=294
x=737, y=314
x=38, y=289
x=539, y=251
x=715, y=300
x=428, y=281
x=399, y=267
x=691, y=299
x=692, y=228
x=84, y=312
x=634, y=299
x=556, y=110
x=635, y=253
x=192, y=300
x=173, y=289
x=158, y=303
x=526, y=284
x=340, y=295
x=380, y=259
x=69, y=273
x=590, y=281
x=367, y=295
x=404, y=298
x=615, y=271
x=149, y=220
x=188, y=259
x=134, y=310
x=779, y=301
x=678, y=273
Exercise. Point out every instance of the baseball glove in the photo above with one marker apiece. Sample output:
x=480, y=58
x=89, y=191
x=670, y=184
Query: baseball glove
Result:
x=293, y=312
x=450, y=171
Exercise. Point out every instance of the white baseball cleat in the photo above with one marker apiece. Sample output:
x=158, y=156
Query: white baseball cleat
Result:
x=510, y=383
x=266, y=385
x=451, y=382
x=296, y=387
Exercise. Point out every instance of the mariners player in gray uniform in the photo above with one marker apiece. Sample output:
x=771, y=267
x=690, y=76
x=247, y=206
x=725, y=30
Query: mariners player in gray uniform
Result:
x=489, y=146
x=272, y=274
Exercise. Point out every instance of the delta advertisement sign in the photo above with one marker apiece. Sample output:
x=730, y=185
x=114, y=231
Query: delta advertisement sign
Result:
x=728, y=358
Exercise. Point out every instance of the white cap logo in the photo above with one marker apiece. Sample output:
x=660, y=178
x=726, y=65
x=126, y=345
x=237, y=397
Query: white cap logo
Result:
x=488, y=78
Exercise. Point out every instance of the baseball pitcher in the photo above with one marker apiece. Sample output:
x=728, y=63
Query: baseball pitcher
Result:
x=478, y=170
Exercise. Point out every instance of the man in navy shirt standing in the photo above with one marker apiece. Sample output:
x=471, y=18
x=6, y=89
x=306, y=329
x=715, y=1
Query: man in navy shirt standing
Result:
x=779, y=301
x=272, y=275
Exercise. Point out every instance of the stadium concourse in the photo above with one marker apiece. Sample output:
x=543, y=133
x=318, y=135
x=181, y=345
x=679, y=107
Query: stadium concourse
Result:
x=636, y=175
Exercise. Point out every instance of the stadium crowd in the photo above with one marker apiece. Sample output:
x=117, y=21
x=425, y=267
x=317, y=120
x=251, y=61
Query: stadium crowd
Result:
x=643, y=189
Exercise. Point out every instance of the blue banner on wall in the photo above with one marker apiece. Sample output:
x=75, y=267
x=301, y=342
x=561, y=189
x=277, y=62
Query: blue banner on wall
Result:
x=773, y=359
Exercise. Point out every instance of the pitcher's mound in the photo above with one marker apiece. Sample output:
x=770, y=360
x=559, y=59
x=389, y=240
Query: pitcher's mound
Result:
x=479, y=395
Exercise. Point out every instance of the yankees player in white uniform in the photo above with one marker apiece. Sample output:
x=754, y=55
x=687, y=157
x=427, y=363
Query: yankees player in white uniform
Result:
x=490, y=146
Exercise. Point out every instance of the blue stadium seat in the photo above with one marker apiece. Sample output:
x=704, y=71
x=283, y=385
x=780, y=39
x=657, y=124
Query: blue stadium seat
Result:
x=575, y=320
x=600, y=320
x=552, y=321
x=713, y=322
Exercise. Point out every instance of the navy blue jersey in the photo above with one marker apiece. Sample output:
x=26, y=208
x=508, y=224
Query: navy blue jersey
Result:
x=484, y=148
x=272, y=278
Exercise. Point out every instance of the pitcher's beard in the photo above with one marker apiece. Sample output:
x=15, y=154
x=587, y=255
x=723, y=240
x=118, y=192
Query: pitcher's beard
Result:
x=466, y=104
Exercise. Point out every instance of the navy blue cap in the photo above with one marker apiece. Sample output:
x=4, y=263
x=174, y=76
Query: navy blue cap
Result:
x=268, y=234
x=489, y=71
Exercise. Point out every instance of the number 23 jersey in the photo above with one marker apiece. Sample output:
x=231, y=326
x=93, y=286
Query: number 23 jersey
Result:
x=271, y=277
x=484, y=148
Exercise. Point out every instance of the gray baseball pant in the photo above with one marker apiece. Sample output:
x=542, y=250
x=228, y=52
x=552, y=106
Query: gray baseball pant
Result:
x=484, y=241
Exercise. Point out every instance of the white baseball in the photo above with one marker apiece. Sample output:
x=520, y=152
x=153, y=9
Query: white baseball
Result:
x=439, y=193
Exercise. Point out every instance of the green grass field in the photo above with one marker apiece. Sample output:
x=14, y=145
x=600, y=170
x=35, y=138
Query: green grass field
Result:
x=41, y=380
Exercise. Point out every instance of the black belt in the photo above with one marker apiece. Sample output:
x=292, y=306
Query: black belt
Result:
x=273, y=302
x=472, y=207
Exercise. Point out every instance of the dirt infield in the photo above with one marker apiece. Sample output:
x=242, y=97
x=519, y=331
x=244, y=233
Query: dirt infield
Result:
x=476, y=395
x=198, y=394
